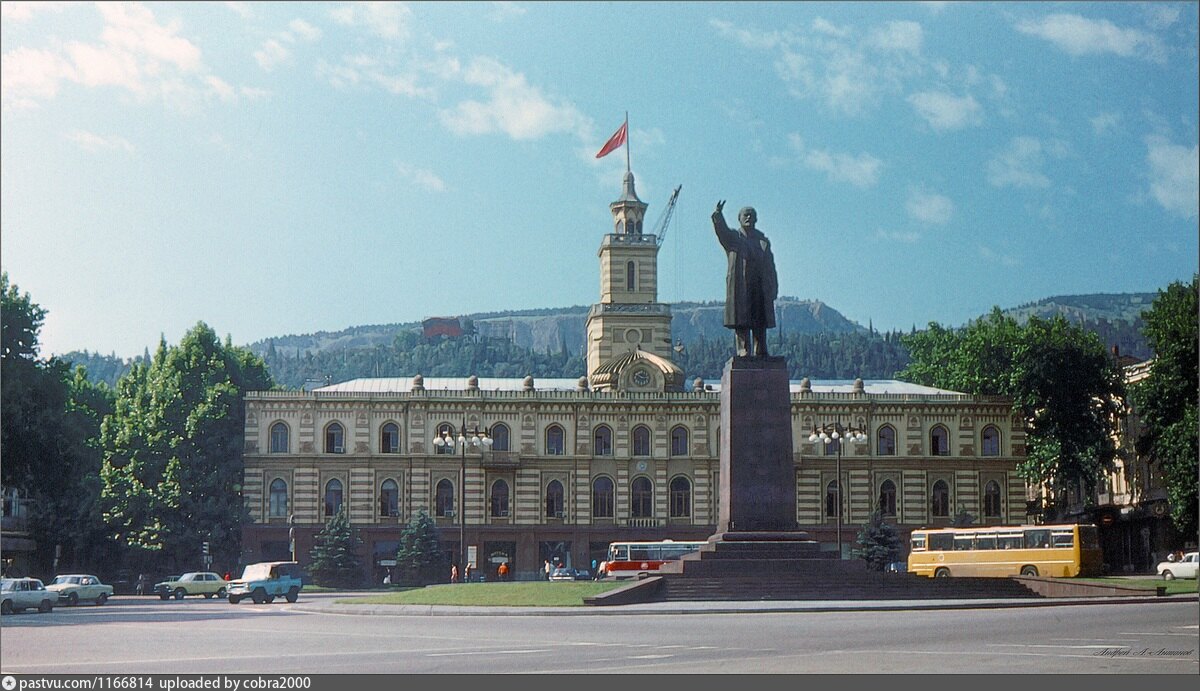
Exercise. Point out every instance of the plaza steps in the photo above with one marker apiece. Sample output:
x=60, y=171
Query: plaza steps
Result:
x=774, y=585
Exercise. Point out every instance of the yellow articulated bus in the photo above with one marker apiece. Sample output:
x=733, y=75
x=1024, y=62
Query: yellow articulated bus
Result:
x=1026, y=550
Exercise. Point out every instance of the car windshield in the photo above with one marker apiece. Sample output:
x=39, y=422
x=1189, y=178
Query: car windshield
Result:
x=8, y=585
x=256, y=572
x=64, y=580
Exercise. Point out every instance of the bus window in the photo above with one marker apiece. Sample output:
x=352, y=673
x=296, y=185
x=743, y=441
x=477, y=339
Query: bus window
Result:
x=1009, y=541
x=963, y=542
x=985, y=541
x=1037, y=539
x=619, y=553
x=640, y=553
x=941, y=541
x=1062, y=539
x=918, y=543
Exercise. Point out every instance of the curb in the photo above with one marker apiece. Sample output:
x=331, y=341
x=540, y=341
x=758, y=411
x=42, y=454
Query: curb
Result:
x=708, y=607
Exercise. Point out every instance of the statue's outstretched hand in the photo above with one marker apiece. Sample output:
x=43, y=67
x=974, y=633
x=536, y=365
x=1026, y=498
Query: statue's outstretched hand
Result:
x=720, y=208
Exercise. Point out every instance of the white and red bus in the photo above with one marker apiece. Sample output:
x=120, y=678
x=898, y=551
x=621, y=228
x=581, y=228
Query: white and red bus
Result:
x=629, y=559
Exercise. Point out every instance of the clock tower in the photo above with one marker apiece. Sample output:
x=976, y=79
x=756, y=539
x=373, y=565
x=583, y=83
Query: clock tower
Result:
x=629, y=331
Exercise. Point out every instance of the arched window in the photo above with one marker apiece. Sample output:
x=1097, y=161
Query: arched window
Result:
x=939, y=441
x=681, y=497
x=279, y=438
x=832, y=499
x=554, y=440
x=279, y=499
x=335, y=438
x=679, y=441
x=885, y=441
x=939, y=504
x=333, y=497
x=499, y=499
x=602, y=497
x=641, y=441
x=444, y=431
x=602, y=441
x=389, y=438
x=500, y=437
x=991, y=499
x=630, y=276
x=554, y=499
x=389, y=499
x=641, y=498
x=991, y=441
x=444, y=501
x=887, y=498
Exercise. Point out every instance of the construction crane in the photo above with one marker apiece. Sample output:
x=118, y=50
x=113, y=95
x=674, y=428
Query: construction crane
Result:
x=660, y=226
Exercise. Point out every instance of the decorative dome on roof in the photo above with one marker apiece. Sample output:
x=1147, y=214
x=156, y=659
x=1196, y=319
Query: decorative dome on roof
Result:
x=472, y=383
x=611, y=374
x=527, y=383
x=418, y=383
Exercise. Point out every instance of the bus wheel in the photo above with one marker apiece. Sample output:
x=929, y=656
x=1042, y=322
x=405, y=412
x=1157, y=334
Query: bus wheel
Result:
x=1029, y=571
x=941, y=573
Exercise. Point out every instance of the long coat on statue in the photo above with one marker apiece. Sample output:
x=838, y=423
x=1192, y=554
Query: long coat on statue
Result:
x=751, y=284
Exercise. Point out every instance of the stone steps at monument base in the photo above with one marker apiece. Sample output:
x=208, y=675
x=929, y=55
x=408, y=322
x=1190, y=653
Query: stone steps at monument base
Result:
x=874, y=587
x=707, y=565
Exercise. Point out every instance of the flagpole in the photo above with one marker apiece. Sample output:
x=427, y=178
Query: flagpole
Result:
x=627, y=168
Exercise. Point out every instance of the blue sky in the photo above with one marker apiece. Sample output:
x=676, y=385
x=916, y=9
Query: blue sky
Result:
x=287, y=168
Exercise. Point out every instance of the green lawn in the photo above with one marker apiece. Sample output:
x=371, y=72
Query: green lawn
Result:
x=1175, y=587
x=519, y=594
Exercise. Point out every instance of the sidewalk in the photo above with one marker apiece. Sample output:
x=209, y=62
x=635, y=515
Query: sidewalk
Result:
x=706, y=607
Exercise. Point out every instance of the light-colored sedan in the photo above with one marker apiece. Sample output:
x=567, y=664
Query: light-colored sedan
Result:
x=1184, y=568
x=75, y=588
x=204, y=583
x=19, y=594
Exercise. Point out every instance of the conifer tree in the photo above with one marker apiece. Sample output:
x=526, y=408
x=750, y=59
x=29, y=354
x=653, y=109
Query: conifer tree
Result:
x=877, y=543
x=419, y=560
x=335, y=560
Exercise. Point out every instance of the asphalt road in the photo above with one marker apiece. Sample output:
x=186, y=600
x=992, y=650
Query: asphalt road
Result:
x=144, y=635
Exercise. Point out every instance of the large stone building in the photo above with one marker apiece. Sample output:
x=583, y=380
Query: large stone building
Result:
x=629, y=451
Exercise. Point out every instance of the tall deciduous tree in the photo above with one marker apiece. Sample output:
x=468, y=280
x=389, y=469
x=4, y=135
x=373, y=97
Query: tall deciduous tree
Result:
x=335, y=559
x=1166, y=400
x=173, y=449
x=51, y=418
x=1063, y=383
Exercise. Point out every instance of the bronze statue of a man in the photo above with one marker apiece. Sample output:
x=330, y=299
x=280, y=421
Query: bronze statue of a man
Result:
x=751, y=284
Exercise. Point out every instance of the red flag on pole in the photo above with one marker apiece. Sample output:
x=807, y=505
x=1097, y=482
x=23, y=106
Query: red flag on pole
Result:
x=614, y=142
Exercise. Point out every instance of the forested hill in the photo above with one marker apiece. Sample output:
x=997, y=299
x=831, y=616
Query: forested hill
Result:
x=817, y=340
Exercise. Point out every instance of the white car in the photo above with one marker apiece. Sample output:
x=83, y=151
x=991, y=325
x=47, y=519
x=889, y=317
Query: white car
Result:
x=75, y=588
x=1184, y=568
x=19, y=594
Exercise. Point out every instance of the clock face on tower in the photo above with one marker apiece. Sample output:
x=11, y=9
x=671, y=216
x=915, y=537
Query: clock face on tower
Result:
x=641, y=378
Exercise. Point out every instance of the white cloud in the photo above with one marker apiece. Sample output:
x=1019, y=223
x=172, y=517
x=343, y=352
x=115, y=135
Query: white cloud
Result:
x=947, y=112
x=747, y=37
x=241, y=8
x=384, y=19
x=929, y=207
x=988, y=254
x=513, y=106
x=303, y=30
x=825, y=27
x=221, y=88
x=1174, y=175
x=861, y=171
x=898, y=36
x=27, y=75
x=425, y=179
x=1105, y=123
x=505, y=10
x=1019, y=165
x=1082, y=36
x=95, y=143
x=1161, y=15
x=133, y=28
x=936, y=6
x=23, y=11
x=272, y=54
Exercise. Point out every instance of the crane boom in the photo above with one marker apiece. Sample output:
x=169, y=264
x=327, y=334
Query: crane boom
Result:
x=660, y=228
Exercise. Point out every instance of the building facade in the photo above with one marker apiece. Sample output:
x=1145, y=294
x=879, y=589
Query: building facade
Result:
x=627, y=452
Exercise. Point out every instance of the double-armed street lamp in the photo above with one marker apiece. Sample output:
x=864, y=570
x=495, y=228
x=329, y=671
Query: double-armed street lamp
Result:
x=480, y=440
x=836, y=433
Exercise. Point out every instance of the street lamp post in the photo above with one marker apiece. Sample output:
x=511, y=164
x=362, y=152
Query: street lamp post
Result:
x=478, y=439
x=830, y=433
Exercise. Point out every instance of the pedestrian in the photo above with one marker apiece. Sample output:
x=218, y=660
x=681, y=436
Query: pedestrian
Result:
x=546, y=568
x=502, y=572
x=387, y=577
x=228, y=576
x=454, y=573
x=467, y=573
x=141, y=584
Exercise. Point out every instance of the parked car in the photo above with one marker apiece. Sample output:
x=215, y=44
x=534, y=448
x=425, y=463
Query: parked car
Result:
x=583, y=575
x=265, y=581
x=204, y=583
x=1183, y=568
x=75, y=588
x=562, y=574
x=19, y=594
